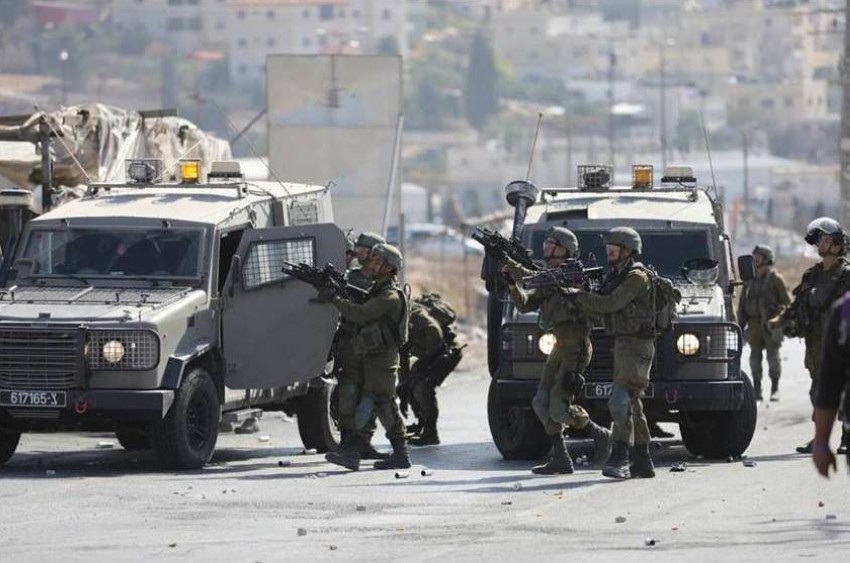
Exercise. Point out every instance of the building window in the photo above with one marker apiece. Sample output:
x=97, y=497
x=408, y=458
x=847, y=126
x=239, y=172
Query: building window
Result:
x=270, y=15
x=194, y=23
x=241, y=42
x=767, y=103
x=386, y=15
x=270, y=42
x=174, y=24
x=326, y=12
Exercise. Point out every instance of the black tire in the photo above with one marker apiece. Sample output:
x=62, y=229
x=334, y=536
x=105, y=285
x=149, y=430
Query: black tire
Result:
x=186, y=438
x=494, y=332
x=720, y=434
x=515, y=429
x=133, y=440
x=8, y=444
x=318, y=423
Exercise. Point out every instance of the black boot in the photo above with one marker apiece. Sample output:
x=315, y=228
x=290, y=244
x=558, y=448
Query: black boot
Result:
x=642, y=464
x=617, y=466
x=601, y=442
x=656, y=431
x=349, y=455
x=367, y=451
x=774, y=390
x=399, y=459
x=560, y=463
x=805, y=448
x=428, y=437
x=757, y=390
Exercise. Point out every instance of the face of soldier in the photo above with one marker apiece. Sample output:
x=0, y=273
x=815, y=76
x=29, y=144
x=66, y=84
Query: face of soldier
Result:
x=615, y=254
x=553, y=252
x=362, y=253
x=759, y=261
x=349, y=257
x=826, y=246
x=377, y=267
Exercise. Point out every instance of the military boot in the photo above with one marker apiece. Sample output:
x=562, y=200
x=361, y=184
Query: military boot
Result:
x=560, y=463
x=642, y=464
x=368, y=451
x=399, y=459
x=428, y=437
x=774, y=390
x=347, y=456
x=601, y=442
x=757, y=391
x=617, y=466
x=805, y=448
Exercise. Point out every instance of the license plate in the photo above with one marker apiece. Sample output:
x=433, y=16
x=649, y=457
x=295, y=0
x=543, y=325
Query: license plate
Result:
x=32, y=398
x=603, y=391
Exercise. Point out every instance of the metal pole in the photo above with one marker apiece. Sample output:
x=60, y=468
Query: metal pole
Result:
x=46, y=164
x=745, y=150
x=612, y=62
x=568, y=134
x=663, y=106
x=844, y=147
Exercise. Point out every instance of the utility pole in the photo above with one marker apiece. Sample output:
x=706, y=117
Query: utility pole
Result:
x=568, y=147
x=844, y=146
x=745, y=149
x=663, y=104
x=612, y=63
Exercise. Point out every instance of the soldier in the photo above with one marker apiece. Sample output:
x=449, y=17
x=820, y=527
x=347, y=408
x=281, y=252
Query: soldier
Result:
x=820, y=287
x=346, y=360
x=762, y=299
x=380, y=329
x=562, y=373
x=427, y=345
x=834, y=379
x=626, y=301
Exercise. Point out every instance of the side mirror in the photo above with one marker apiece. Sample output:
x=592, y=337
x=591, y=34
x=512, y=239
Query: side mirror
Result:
x=746, y=268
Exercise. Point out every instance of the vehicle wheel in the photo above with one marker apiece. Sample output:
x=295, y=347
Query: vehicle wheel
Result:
x=720, y=434
x=8, y=444
x=186, y=438
x=318, y=420
x=133, y=440
x=494, y=331
x=515, y=429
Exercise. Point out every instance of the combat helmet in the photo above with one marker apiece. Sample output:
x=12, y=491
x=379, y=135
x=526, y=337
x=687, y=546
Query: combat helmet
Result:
x=625, y=237
x=824, y=226
x=390, y=254
x=369, y=240
x=564, y=237
x=765, y=251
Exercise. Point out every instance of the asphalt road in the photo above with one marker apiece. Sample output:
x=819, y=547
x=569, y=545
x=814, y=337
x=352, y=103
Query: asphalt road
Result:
x=65, y=498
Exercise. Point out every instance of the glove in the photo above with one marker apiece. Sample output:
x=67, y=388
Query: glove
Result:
x=326, y=295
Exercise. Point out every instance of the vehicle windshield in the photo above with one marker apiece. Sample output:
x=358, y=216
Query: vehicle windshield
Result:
x=665, y=251
x=114, y=252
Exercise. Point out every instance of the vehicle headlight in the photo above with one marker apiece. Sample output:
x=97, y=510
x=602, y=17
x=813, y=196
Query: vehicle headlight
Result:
x=688, y=344
x=113, y=351
x=122, y=349
x=546, y=343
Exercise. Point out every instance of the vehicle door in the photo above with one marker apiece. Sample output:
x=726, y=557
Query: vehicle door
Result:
x=273, y=331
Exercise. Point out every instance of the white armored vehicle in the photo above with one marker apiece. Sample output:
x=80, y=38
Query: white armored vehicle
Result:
x=696, y=378
x=152, y=310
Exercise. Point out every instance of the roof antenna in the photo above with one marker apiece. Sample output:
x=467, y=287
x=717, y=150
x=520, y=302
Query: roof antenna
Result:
x=708, y=150
x=531, y=153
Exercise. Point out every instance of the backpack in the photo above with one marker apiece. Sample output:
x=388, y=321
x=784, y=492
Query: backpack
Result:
x=438, y=308
x=665, y=297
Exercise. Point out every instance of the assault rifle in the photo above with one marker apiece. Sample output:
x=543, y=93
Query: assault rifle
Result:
x=325, y=278
x=570, y=274
x=499, y=247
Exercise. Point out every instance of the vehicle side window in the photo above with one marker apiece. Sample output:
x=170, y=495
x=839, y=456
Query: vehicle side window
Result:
x=228, y=245
x=265, y=259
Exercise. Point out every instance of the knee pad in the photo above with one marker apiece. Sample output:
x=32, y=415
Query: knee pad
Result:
x=620, y=404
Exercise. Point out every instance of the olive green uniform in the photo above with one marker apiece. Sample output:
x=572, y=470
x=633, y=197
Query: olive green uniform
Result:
x=425, y=344
x=374, y=346
x=818, y=290
x=571, y=354
x=762, y=299
x=626, y=302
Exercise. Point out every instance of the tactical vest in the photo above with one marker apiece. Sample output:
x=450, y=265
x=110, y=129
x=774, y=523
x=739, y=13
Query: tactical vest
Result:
x=638, y=317
x=817, y=291
x=761, y=300
x=556, y=309
x=384, y=332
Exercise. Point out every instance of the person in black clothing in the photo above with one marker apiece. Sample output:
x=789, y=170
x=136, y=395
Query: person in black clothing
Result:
x=834, y=379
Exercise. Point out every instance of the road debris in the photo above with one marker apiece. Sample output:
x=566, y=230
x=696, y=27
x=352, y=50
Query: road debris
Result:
x=831, y=516
x=517, y=486
x=311, y=451
x=649, y=541
x=360, y=508
x=401, y=474
x=820, y=503
x=263, y=438
x=678, y=467
x=426, y=472
x=50, y=473
x=749, y=463
x=506, y=503
x=302, y=532
x=284, y=463
x=620, y=519
x=332, y=547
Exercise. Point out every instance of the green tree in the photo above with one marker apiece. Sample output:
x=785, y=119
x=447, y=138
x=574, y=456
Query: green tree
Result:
x=480, y=98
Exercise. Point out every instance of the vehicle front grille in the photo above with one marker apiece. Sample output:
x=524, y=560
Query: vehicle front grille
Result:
x=38, y=358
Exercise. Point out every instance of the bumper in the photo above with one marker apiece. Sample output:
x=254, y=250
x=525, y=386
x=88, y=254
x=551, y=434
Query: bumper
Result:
x=92, y=410
x=665, y=395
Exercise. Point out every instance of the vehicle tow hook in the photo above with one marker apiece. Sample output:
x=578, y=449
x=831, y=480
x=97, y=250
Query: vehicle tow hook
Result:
x=671, y=396
x=81, y=406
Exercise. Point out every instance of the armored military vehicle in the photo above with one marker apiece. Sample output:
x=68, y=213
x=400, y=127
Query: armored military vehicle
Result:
x=154, y=309
x=696, y=379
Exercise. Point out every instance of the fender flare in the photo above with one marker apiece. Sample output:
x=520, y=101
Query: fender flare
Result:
x=176, y=364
